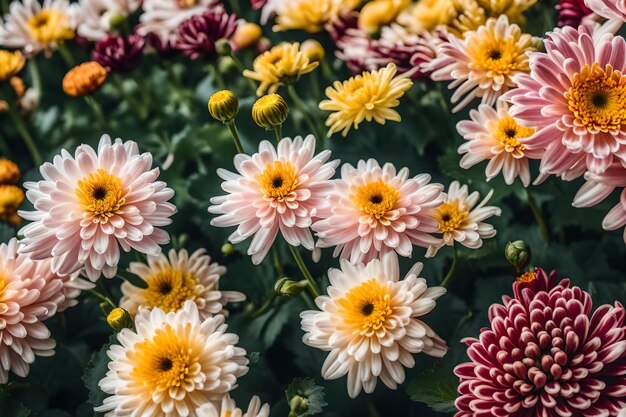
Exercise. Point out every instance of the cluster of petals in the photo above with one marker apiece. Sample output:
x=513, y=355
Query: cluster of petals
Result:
x=572, y=12
x=96, y=16
x=609, y=9
x=198, y=35
x=119, y=53
x=229, y=408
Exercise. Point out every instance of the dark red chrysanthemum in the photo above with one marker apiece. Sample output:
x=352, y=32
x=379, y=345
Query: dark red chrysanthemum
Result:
x=571, y=12
x=546, y=354
x=119, y=53
x=198, y=35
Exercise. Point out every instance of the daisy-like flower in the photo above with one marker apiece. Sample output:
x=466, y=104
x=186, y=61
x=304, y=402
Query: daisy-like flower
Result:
x=90, y=204
x=483, y=63
x=311, y=15
x=370, y=323
x=370, y=95
x=574, y=97
x=171, y=365
x=34, y=27
x=198, y=35
x=283, y=64
x=163, y=17
x=28, y=296
x=572, y=12
x=374, y=210
x=275, y=190
x=461, y=220
x=494, y=135
x=546, y=353
x=97, y=16
x=174, y=279
x=228, y=408
x=610, y=9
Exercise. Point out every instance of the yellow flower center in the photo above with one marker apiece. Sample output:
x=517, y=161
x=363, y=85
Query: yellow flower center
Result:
x=497, y=56
x=169, y=289
x=186, y=4
x=278, y=180
x=163, y=362
x=597, y=98
x=101, y=194
x=526, y=278
x=50, y=25
x=3, y=285
x=450, y=216
x=367, y=306
x=508, y=131
x=376, y=198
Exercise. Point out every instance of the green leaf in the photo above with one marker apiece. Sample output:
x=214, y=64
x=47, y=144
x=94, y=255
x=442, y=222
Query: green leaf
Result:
x=10, y=407
x=95, y=370
x=311, y=397
x=132, y=278
x=436, y=388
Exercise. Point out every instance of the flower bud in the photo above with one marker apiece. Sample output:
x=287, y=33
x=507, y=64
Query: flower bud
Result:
x=223, y=47
x=247, y=35
x=227, y=249
x=10, y=63
x=9, y=172
x=11, y=198
x=84, y=79
x=518, y=253
x=120, y=319
x=223, y=106
x=313, y=50
x=286, y=287
x=270, y=111
x=117, y=21
x=227, y=65
x=19, y=88
x=299, y=405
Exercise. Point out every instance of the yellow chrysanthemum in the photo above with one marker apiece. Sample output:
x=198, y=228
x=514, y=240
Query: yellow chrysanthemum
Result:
x=283, y=64
x=10, y=64
x=311, y=15
x=378, y=13
x=371, y=95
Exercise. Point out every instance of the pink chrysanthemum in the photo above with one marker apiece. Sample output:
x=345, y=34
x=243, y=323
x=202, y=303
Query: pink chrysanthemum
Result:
x=28, y=296
x=574, y=97
x=90, y=204
x=198, y=35
x=275, y=190
x=610, y=9
x=571, y=12
x=546, y=354
x=374, y=210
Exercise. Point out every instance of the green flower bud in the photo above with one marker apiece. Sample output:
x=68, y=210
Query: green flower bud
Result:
x=223, y=48
x=299, y=405
x=117, y=21
x=227, y=249
x=518, y=253
x=286, y=287
x=270, y=111
x=227, y=65
x=120, y=319
x=223, y=106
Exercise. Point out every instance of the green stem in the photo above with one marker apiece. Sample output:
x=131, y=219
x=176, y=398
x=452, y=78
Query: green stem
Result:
x=35, y=75
x=102, y=297
x=265, y=307
x=277, y=265
x=279, y=132
x=26, y=136
x=235, y=135
x=97, y=111
x=66, y=55
x=4, y=147
x=305, y=114
x=534, y=207
x=217, y=76
x=305, y=271
x=234, y=4
x=450, y=275
x=241, y=68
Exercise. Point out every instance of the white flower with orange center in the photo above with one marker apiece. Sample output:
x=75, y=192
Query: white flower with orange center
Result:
x=228, y=408
x=374, y=210
x=176, y=278
x=171, y=364
x=89, y=205
x=34, y=27
x=494, y=135
x=461, y=220
x=163, y=17
x=370, y=324
x=275, y=190
x=483, y=63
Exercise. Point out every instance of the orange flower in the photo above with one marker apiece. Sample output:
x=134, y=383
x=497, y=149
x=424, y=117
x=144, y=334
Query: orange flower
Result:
x=84, y=79
x=9, y=172
x=11, y=198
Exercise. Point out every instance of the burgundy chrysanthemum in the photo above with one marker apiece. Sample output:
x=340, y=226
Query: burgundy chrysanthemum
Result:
x=572, y=12
x=546, y=354
x=163, y=46
x=198, y=35
x=119, y=53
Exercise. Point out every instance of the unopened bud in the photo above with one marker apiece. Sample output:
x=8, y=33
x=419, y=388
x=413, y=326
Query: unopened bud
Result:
x=286, y=287
x=270, y=111
x=223, y=106
x=227, y=249
x=223, y=47
x=120, y=319
x=227, y=65
x=518, y=253
x=299, y=405
x=247, y=35
x=117, y=21
x=313, y=50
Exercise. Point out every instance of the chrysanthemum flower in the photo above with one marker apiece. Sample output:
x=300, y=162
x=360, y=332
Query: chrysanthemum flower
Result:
x=163, y=17
x=10, y=64
x=571, y=12
x=84, y=79
x=268, y=8
x=494, y=135
x=546, y=354
x=34, y=27
x=369, y=322
x=275, y=190
x=174, y=279
x=27, y=298
x=374, y=210
x=461, y=220
x=483, y=63
x=610, y=9
x=97, y=16
x=197, y=36
x=574, y=97
x=376, y=14
x=283, y=64
x=311, y=15
x=11, y=198
x=371, y=95
x=228, y=408
x=89, y=205
x=9, y=172
x=172, y=364
x=119, y=53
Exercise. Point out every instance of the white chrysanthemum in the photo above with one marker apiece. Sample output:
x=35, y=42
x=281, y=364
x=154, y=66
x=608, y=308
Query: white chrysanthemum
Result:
x=96, y=16
x=34, y=27
x=228, y=408
x=162, y=17
x=90, y=204
x=174, y=279
x=369, y=323
x=459, y=221
x=28, y=295
x=172, y=364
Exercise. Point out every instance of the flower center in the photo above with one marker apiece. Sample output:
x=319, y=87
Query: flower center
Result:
x=169, y=289
x=376, y=198
x=450, y=216
x=49, y=25
x=597, y=99
x=508, y=131
x=186, y=4
x=278, y=180
x=3, y=285
x=498, y=56
x=526, y=278
x=366, y=307
x=101, y=194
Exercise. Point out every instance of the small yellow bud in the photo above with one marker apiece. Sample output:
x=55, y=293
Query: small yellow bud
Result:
x=120, y=319
x=247, y=35
x=313, y=50
x=9, y=172
x=379, y=13
x=223, y=106
x=227, y=249
x=270, y=111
